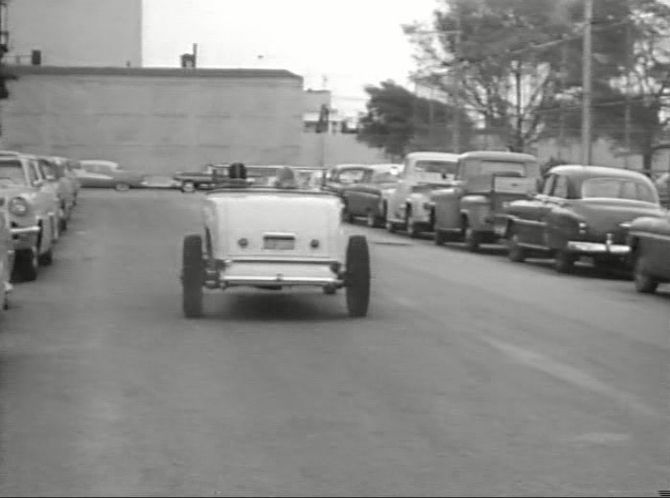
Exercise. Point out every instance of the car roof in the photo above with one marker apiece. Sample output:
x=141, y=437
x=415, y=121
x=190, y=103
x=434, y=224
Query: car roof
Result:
x=433, y=155
x=99, y=161
x=497, y=154
x=584, y=172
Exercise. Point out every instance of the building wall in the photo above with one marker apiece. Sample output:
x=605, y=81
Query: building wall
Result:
x=76, y=32
x=156, y=121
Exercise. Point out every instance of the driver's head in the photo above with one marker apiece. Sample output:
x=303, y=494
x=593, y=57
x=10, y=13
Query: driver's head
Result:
x=237, y=171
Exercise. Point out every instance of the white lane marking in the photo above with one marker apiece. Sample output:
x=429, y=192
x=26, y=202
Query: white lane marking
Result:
x=601, y=438
x=571, y=375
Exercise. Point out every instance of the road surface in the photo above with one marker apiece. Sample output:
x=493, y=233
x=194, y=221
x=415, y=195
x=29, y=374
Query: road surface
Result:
x=472, y=375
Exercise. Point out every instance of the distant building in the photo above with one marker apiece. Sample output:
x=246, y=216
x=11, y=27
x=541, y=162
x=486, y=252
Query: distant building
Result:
x=312, y=113
x=75, y=32
x=155, y=120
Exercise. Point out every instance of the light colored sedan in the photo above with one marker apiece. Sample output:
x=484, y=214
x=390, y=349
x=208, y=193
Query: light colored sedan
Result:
x=33, y=213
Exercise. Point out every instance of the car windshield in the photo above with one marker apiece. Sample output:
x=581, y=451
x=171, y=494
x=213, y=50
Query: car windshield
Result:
x=383, y=177
x=350, y=176
x=265, y=177
x=494, y=167
x=617, y=188
x=438, y=169
x=11, y=172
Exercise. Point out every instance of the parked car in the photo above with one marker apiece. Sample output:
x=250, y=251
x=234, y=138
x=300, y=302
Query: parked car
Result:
x=190, y=181
x=33, y=213
x=582, y=211
x=409, y=205
x=55, y=177
x=649, y=241
x=272, y=239
x=663, y=186
x=366, y=198
x=6, y=254
x=98, y=173
x=343, y=175
x=483, y=183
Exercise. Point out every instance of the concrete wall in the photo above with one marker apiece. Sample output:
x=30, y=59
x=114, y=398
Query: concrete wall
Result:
x=330, y=149
x=77, y=32
x=156, y=120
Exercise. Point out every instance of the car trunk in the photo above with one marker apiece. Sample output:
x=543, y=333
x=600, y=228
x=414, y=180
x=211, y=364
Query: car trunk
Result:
x=281, y=225
x=604, y=216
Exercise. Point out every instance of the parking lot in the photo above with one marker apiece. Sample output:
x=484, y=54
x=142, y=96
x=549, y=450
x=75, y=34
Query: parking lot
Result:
x=471, y=375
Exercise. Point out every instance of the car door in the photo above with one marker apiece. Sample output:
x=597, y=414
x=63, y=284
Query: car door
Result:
x=356, y=193
x=530, y=215
x=559, y=193
x=46, y=200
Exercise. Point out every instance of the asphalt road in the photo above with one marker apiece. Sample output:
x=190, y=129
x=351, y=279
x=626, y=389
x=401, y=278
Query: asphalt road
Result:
x=472, y=375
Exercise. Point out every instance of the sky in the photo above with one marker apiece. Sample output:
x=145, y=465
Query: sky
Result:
x=340, y=45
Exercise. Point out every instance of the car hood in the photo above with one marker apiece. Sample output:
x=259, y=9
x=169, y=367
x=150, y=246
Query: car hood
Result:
x=610, y=214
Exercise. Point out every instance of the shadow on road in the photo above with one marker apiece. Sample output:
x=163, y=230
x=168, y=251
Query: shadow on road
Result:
x=264, y=306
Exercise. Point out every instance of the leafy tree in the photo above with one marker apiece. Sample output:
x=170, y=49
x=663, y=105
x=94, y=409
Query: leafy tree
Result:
x=533, y=50
x=398, y=121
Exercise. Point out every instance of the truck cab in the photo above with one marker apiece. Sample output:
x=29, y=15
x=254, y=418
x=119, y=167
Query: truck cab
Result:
x=409, y=206
x=484, y=184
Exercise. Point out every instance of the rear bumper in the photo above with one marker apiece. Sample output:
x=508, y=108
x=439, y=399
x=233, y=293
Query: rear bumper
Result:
x=289, y=273
x=597, y=248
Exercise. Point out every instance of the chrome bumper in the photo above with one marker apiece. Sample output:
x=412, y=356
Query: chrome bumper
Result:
x=25, y=230
x=279, y=273
x=278, y=280
x=598, y=248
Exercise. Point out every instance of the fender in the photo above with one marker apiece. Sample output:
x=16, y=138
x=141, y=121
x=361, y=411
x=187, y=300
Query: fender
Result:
x=477, y=209
x=562, y=225
x=447, y=209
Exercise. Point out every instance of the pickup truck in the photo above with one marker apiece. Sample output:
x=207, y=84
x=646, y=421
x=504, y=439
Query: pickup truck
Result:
x=473, y=206
x=408, y=206
x=190, y=181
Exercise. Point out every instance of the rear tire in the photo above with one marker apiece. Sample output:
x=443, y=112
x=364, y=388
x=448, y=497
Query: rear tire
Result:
x=358, y=276
x=193, y=273
x=515, y=252
x=644, y=283
x=564, y=262
x=412, y=229
x=472, y=239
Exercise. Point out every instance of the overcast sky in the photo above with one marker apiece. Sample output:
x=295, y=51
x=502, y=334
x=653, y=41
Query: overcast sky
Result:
x=349, y=42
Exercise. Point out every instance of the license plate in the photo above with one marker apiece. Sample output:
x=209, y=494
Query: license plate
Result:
x=279, y=243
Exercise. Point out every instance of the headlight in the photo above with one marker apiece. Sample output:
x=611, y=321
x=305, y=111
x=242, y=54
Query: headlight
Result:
x=18, y=206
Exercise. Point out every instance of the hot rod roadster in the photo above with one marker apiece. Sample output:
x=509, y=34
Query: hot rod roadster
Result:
x=274, y=237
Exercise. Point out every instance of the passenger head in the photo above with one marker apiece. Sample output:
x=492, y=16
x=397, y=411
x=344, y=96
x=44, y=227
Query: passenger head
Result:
x=286, y=178
x=237, y=171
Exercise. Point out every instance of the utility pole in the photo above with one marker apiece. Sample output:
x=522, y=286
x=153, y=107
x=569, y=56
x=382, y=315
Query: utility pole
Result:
x=564, y=79
x=626, y=132
x=586, y=83
x=456, y=91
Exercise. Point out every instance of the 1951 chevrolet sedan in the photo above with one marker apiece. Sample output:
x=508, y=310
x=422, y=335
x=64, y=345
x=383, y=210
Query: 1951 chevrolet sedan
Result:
x=274, y=237
x=582, y=211
x=649, y=241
